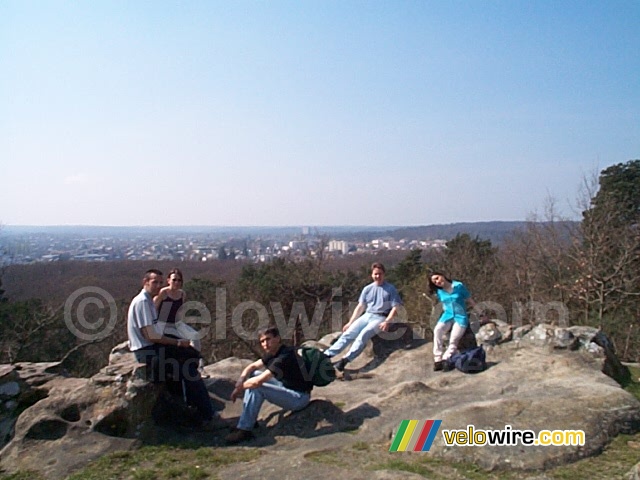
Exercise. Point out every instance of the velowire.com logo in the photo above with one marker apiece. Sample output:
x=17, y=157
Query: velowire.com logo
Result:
x=415, y=435
x=418, y=436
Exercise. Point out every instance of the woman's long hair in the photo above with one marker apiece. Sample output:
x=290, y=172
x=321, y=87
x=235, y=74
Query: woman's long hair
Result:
x=433, y=288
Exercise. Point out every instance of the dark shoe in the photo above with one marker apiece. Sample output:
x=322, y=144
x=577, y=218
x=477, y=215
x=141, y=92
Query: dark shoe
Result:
x=340, y=364
x=239, y=436
x=437, y=366
x=447, y=367
x=216, y=423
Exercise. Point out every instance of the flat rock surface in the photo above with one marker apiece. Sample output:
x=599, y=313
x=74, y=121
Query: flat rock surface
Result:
x=529, y=388
x=525, y=387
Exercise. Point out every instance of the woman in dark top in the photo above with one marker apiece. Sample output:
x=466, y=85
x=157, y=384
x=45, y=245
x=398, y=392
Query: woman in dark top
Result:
x=170, y=298
x=168, y=303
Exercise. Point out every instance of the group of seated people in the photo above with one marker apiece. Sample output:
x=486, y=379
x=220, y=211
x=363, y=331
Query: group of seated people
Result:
x=170, y=348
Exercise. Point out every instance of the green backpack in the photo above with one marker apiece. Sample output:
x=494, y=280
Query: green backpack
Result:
x=317, y=366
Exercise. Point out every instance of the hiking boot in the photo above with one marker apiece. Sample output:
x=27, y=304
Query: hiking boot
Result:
x=438, y=366
x=239, y=436
x=340, y=364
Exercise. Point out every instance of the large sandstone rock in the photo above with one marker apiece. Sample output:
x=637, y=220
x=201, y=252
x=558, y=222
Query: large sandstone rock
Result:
x=84, y=418
x=530, y=384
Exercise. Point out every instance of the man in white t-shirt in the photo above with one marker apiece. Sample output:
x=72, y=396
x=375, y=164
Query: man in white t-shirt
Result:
x=148, y=344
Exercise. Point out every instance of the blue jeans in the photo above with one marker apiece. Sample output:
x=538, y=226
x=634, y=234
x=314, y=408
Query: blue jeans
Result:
x=273, y=391
x=360, y=331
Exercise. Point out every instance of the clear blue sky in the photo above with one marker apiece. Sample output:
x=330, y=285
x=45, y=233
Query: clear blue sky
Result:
x=310, y=113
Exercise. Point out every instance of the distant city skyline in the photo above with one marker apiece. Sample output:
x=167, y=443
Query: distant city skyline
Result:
x=23, y=245
x=285, y=113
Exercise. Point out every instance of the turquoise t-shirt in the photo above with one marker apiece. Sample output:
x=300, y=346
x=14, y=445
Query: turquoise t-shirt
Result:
x=454, y=304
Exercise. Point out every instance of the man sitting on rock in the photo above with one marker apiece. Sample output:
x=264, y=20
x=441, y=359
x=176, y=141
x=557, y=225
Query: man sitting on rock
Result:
x=377, y=306
x=276, y=377
x=160, y=352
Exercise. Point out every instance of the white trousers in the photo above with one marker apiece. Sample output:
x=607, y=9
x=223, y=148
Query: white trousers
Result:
x=439, y=334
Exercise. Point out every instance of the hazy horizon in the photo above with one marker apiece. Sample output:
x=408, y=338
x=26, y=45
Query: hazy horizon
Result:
x=231, y=227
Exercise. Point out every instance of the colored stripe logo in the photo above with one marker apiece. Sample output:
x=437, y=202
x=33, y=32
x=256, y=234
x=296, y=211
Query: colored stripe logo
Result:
x=415, y=435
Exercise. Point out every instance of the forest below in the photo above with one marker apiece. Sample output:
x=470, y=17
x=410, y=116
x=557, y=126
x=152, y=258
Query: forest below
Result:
x=549, y=271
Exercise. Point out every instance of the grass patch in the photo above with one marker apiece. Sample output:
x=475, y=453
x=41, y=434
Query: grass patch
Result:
x=22, y=475
x=360, y=446
x=163, y=463
x=616, y=460
x=402, y=466
x=633, y=385
x=328, y=457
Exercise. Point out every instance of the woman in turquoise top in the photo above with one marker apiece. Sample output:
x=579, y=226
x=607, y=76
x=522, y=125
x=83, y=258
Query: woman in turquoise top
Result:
x=454, y=297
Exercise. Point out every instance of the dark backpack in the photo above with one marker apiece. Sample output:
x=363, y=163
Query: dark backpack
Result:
x=317, y=366
x=469, y=361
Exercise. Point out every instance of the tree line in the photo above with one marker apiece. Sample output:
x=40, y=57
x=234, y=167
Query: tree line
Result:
x=552, y=270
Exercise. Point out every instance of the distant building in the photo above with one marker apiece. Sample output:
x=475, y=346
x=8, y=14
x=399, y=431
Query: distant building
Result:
x=339, y=246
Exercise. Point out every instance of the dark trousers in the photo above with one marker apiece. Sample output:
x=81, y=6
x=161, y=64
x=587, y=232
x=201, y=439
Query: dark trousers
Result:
x=168, y=363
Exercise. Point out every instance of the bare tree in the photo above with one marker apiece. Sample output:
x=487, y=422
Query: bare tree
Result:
x=538, y=259
x=607, y=255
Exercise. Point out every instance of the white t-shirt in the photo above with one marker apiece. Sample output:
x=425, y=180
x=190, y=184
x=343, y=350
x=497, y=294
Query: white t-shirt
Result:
x=142, y=312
